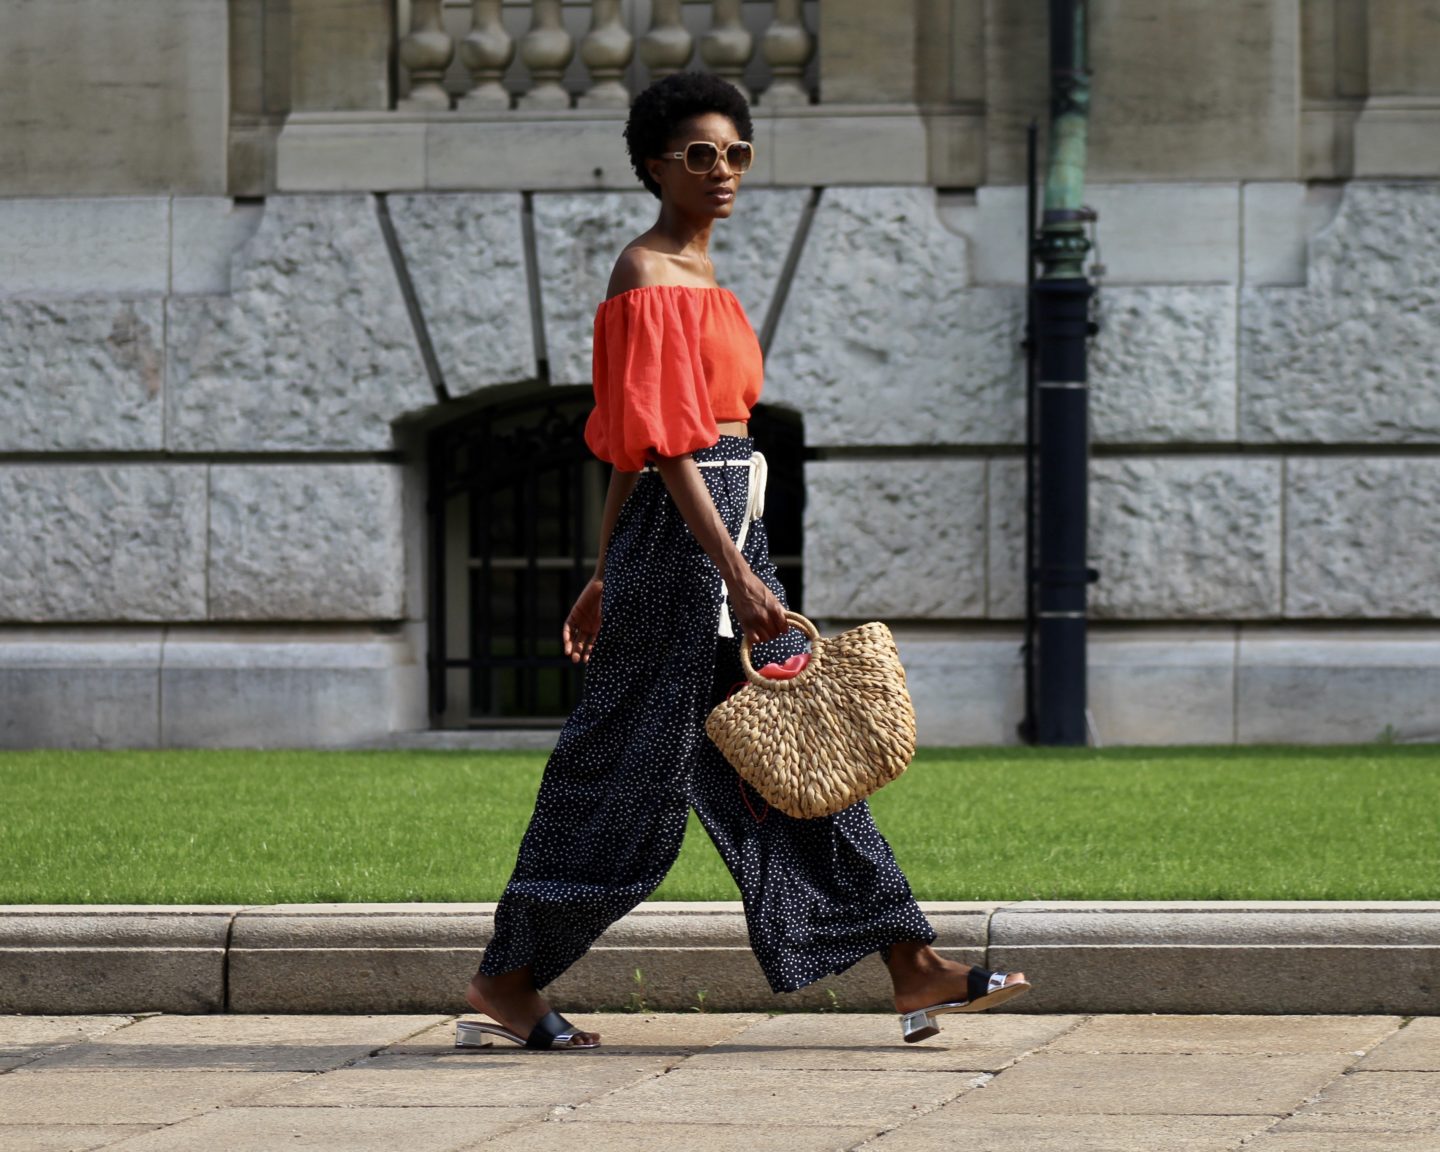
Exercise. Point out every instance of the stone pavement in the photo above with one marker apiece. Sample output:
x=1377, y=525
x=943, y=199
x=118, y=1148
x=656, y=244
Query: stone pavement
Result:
x=751, y=1082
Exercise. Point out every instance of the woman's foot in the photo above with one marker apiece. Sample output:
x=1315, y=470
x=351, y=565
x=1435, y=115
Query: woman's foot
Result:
x=511, y=999
x=922, y=977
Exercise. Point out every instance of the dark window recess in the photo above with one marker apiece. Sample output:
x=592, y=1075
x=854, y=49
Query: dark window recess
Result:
x=514, y=514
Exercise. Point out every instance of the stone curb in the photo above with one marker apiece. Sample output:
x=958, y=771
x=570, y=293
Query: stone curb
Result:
x=1179, y=956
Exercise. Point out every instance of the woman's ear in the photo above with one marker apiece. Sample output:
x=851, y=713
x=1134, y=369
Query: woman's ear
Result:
x=655, y=168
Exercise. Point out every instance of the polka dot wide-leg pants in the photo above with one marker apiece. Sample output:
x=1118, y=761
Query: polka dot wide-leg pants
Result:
x=633, y=759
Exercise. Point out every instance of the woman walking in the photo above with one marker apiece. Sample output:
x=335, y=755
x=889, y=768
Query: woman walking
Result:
x=684, y=564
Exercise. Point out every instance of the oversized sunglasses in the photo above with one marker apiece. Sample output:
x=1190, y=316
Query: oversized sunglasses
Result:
x=701, y=156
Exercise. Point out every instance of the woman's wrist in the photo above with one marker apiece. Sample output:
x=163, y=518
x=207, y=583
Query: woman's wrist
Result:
x=735, y=570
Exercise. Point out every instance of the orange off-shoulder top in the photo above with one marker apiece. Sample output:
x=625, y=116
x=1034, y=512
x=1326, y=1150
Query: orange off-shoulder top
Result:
x=670, y=363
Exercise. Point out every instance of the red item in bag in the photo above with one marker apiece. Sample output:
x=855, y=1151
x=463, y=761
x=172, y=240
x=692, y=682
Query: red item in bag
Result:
x=788, y=670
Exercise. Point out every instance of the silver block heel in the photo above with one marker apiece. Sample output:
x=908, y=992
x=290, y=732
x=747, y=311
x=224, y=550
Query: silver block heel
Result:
x=921, y=1025
x=468, y=1034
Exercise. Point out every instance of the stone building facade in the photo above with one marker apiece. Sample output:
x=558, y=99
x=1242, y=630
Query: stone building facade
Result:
x=254, y=253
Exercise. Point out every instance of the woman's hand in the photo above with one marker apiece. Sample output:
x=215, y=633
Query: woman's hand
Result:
x=758, y=610
x=582, y=626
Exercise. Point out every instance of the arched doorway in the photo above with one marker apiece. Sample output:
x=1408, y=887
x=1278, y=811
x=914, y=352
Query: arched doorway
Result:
x=514, y=503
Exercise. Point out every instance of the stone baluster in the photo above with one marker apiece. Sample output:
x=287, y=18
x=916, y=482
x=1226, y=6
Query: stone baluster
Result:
x=727, y=46
x=606, y=50
x=487, y=51
x=666, y=48
x=426, y=52
x=546, y=50
x=787, y=45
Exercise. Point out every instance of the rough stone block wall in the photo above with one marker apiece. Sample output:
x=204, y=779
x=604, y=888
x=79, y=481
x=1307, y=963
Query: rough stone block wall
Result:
x=466, y=259
x=1352, y=358
x=200, y=468
x=311, y=350
x=1245, y=416
x=885, y=341
x=306, y=542
x=210, y=525
x=102, y=542
x=82, y=375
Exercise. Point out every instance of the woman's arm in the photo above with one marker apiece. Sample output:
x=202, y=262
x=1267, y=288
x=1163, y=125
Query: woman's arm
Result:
x=621, y=485
x=582, y=626
x=757, y=608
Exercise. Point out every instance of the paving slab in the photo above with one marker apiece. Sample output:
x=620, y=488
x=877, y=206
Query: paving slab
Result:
x=945, y=1131
x=1414, y=1048
x=1344, y=1142
x=1373, y=1102
x=126, y=1097
x=485, y=1078
x=1223, y=1035
x=715, y=1081
x=251, y=1043
x=675, y=1034
x=336, y=1129
x=27, y=1038
x=1125, y=1084
x=694, y=1095
x=65, y=1137
x=860, y=1042
x=1306, y=1122
x=53, y=1031
x=607, y=1136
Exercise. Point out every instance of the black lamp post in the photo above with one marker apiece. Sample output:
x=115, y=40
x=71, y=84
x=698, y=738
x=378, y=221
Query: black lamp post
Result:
x=1061, y=308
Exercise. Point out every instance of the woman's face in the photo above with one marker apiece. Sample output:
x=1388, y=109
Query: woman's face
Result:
x=712, y=194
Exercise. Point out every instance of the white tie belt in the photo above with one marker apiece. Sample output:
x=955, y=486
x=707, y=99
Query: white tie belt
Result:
x=754, y=509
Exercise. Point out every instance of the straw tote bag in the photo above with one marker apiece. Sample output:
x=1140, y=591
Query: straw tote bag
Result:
x=836, y=732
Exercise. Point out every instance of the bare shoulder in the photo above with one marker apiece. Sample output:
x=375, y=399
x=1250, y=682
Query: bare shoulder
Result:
x=638, y=267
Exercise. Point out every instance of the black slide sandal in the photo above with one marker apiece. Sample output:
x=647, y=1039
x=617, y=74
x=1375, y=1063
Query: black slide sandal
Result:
x=552, y=1031
x=983, y=989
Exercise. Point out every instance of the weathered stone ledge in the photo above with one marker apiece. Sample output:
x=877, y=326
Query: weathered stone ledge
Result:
x=1174, y=956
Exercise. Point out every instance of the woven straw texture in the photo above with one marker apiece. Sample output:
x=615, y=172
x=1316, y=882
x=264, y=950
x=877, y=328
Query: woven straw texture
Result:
x=831, y=736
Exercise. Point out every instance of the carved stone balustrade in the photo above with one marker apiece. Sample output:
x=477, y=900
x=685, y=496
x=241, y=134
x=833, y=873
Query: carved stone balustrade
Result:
x=668, y=45
x=526, y=95
x=606, y=51
x=726, y=48
x=546, y=50
x=739, y=41
x=486, y=52
x=787, y=47
x=426, y=52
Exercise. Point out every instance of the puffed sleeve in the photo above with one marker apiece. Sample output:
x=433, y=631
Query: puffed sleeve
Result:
x=650, y=392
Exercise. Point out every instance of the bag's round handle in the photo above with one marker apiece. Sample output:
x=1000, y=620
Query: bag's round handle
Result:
x=796, y=621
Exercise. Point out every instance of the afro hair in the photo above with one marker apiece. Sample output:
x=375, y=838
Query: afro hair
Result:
x=659, y=111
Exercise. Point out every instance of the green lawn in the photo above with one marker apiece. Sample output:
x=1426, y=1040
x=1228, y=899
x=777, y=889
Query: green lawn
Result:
x=984, y=824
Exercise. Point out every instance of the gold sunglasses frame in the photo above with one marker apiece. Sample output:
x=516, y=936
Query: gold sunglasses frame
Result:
x=720, y=153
